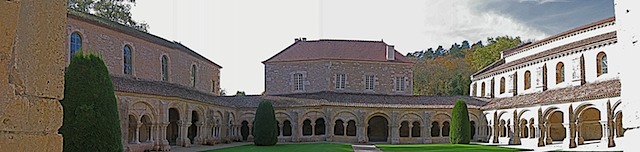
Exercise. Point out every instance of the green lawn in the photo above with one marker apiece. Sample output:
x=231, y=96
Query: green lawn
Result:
x=443, y=147
x=311, y=147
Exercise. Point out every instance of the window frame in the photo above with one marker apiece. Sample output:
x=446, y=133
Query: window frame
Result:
x=369, y=82
x=194, y=73
x=164, y=68
x=75, y=44
x=400, y=84
x=602, y=64
x=127, y=66
x=298, y=82
x=560, y=73
x=527, y=80
x=341, y=81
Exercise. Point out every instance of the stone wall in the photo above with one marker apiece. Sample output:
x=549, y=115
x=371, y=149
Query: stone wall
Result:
x=146, y=56
x=321, y=76
x=31, y=74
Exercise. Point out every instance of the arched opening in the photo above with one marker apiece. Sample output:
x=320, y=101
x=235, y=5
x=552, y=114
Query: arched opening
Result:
x=306, y=128
x=165, y=68
x=193, y=128
x=133, y=123
x=338, y=128
x=524, y=128
x=145, y=129
x=556, y=130
x=532, y=133
x=473, y=129
x=286, y=128
x=435, y=129
x=378, y=129
x=602, y=65
x=618, y=124
x=126, y=51
x=244, y=130
x=351, y=128
x=404, y=129
x=559, y=72
x=482, y=87
x=503, y=129
x=527, y=80
x=502, y=84
x=75, y=45
x=415, y=129
x=589, y=124
x=319, y=127
x=445, y=129
x=173, y=129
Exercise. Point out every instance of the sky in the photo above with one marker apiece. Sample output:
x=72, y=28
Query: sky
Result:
x=240, y=34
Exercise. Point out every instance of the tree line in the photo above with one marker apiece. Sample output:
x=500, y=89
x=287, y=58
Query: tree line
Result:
x=446, y=72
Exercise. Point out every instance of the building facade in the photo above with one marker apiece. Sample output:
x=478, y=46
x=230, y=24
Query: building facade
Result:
x=559, y=92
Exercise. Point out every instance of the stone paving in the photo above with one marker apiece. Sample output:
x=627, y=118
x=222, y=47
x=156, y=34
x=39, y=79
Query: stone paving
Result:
x=365, y=148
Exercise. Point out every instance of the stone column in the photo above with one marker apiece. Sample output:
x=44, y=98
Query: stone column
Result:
x=395, y=133
x=313, y=129
x=184, y=131
x=136, y=138
x=163, y=135
x=541, y=128
x=515, y=138
x=152, y=131
x=610, y=126
x=360, y=132
x=410, y=129
x=580, y=138
x=496, y=131
x=199, y=138
x=572, y=128
x=549, y=140
x=345, y=128
x=250, y=137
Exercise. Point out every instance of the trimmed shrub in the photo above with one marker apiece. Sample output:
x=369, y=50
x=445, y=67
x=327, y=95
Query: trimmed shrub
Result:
x=265, y=125
x=91, y=120
x=460, y=132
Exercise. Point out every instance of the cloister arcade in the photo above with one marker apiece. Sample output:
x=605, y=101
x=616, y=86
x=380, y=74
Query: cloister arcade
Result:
x=566, y=125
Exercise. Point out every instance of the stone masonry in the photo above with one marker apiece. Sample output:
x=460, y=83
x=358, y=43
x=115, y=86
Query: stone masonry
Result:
x=31, y=74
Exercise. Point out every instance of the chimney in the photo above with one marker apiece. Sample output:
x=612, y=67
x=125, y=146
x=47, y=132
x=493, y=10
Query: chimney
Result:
x=304, y=39
x=296, y=39
x=391, y=52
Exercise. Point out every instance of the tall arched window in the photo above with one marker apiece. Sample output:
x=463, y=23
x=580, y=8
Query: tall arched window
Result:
x=445, y=129
x=559, y=72
x=482, y=90
x=351, y=128
x=502, y=83
x=435, y=129
x=527, y=80
x=404, y=129
x=338, y=128
x=602, y=66
x=475, y=89
x=415, y=129
x=75, y=45
x=127, y=59
x=165, y=68
x=193, y=75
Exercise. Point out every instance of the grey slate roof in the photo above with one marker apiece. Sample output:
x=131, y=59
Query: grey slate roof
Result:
x=159, y=88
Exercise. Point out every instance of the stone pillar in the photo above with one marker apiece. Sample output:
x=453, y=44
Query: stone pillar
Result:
x=410, y=129
x=184, y=130
x=152, y=131
x=345, y=128
x=313, y=129
x=580, y=139
x=548, y=137
x=541, y=128
x=33, y=56
x=199, y=138
x=610, y=125
x=163, y=135
x=360, y=132
x=496, y=131
x=136, y=137
x=515, y=138
x=395, y=133
x=572, y=128
x=250, y=137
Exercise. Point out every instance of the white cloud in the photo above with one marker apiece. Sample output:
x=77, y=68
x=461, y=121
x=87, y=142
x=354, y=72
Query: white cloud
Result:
x=454, y=21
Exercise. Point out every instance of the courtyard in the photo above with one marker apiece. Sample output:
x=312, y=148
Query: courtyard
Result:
x=343, y=147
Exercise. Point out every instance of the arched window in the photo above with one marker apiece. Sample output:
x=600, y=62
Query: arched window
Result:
x=482, y=90
x=602, y=66
x=351, y=128
x=319, y=127
x=404, y=129
x=338, y=129
x=445, y=129
x=127, y=59
x=165, y=68
x=193, y=75
x=435, y=129
x=286, y=128
x=306, y=128
x=502, y=83
x=527, y=80
x=415, y=130
x=473, y=129
x=475, y=89
x=75, y=45
x=559, y=72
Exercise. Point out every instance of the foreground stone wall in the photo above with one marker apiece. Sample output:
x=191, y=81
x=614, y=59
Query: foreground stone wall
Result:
x=31, y=74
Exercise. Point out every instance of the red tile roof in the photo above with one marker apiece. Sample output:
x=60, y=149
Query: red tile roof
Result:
x=590, y=91
x=323, y=49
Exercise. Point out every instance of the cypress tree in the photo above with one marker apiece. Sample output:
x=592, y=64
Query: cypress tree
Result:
x=460, y=132
x=265, y=127
x=91, y=120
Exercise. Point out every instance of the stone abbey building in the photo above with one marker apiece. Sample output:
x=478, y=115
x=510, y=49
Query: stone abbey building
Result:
x=572, y=90
x=560, y=92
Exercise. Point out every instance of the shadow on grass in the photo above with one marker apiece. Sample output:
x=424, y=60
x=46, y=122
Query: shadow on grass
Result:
x=445, y=147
